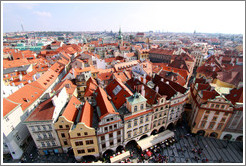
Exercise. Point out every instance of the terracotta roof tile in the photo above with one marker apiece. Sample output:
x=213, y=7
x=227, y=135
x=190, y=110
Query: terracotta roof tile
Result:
x=26, y=95
x=8, y=106
x=71, y=111
x=103, y=103
x=87, y=114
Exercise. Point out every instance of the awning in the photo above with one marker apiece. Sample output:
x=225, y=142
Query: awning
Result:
x=155, y=139
x=120, y=157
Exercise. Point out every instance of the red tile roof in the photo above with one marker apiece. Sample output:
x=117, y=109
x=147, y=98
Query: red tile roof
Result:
x=105, y=76
x=161, y=51
x=70, y=87
x=103, y=103
x=209, y=94
x=43, y=112
x=26, y=95
x=15, y=63
x=120, y=98
x=121, y=76
x=87, y=114
x=236, y=95
x=8, y=106
x=71, y=111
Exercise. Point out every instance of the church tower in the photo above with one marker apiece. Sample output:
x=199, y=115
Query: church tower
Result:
x=120, y=38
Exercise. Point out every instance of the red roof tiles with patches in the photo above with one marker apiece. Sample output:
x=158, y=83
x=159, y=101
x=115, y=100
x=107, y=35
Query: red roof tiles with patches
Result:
x=110, y=70
x=150, y=94
x=130, y=54
x=209, y=94
x=173, y=76
x=70, y=87
x=180, y=64
x=174, y=85
x=56, y=67
x=105, y=76
x=87, y=114
x=120, y=98
x=15, y=63
x=233, y=76
x=71, y=111
x=109, y=60
x=236, y=95
x=26, y=95
x=90, y=90
x=103, y=103
x=8, y=106
x=46, y=80
x=43, y=112
x=121, y=76
x=161, y=51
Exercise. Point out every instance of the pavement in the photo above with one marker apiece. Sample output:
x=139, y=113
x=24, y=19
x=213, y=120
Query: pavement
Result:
x=214, y=150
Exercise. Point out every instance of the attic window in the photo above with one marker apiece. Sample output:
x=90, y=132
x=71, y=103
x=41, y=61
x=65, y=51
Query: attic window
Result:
x=48, y=80
x=117, y=89
x=45, y=83
x=25, y=99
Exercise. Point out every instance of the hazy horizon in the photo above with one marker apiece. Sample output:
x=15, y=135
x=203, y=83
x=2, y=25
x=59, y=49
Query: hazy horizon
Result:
x=225, y=17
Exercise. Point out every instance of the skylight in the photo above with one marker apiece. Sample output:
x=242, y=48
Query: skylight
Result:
x=117, y=89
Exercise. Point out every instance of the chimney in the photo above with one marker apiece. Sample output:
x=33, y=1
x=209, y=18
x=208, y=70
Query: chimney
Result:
x=20, y=77
x=214, y=68
x=143, y=91
x=34, y=77
x=162, y=79
x=172, y=78
x=167, y=82
x=157, y=89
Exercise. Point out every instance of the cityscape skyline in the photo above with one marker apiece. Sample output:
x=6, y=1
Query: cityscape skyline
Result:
x=130, y=16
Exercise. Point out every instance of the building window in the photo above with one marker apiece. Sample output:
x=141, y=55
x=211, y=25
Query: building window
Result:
x=78, y=134
x=207, y=112
x=48, y=143
x=115, y=126
x=211, y=125
x=135, y=122
x=212, y=105
x=91, y=150
x=32, y=128
x=60, y=126
x=17, y=137
x=222, y=106
x=135, y=108
x=111, y=143
x=205, y=117
x=65, y=142
x=219, y=126
x=67, y=126
x=50, y=135
x=129, y=134
x=44, y=134
x=156, y=109
x=81, y=151
x=85, y=133
x=217, y=113
x=140, y=129
x=110, y=127
x=106, y=129
x=44, y=127
x=53, y=143
x=118, y=132
x=142, y=106
x=223, y=120
x=111, y=135
x=119, y=140
x=7, y=119
x=159, y=115
x=79, y=143
x=217, y=106
x=88, y=142
x=161, y=108
x=38, y=127
x=50, y=127
x=214, y=118
x=129, y=124
x=43, y=144
x=226, y=114
x=103, y=146
x=146, y=127
x=135, y=132
x=203, y=124
x=141, y=120
x=147, y=118
x=62, y=135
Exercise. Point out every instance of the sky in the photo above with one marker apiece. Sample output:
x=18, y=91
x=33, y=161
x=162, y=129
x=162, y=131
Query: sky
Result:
x=177, y=16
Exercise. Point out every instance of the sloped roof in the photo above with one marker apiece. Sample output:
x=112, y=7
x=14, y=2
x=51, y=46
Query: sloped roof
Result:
x=103, y=103
x=71, y=111
x=236, y=95
x=120, y=98
x=87, y=114
x=8, y=106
